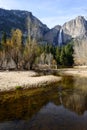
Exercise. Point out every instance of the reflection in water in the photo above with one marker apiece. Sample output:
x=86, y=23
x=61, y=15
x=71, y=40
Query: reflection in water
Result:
x=60, y=94
x=61, y=107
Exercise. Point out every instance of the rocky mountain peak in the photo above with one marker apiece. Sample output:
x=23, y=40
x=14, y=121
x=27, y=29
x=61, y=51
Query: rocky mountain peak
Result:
x=80, y=18
x=75, y=28
x=57, y=27
x=13, y=19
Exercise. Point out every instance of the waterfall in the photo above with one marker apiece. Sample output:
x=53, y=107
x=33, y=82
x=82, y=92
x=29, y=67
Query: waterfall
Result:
x=60, y=37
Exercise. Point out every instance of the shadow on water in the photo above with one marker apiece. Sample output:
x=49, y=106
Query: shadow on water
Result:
x=61, y=106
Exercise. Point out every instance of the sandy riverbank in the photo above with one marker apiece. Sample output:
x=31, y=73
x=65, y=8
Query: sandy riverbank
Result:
x=26, y=79
x=81, y=72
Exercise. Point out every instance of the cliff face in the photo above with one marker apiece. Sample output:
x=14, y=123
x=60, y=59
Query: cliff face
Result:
x=59, y=35
x=12, y=19
x=52, y=35
x=76, y=28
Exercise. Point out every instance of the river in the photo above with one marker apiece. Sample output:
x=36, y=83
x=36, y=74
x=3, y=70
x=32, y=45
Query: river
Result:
x=61, y=106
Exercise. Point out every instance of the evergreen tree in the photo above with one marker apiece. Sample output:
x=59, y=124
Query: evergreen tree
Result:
x=69, y=54
x=3, y=40
x=66, y=56
x=57, y=57
x=63, y=56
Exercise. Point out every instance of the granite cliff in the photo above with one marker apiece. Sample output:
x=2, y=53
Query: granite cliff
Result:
x=12, y=19
x=59, y=35
x=76, y=28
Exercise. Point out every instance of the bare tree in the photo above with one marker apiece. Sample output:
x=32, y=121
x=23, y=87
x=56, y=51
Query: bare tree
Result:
x=45, y=59
x=49, y=59
x=31, y=48
x=80, y=52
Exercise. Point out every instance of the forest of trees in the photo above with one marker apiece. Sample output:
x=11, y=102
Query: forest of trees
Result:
x=17, y=53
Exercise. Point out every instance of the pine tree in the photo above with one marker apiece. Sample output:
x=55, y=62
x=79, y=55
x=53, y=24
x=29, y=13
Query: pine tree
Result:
x=58, y=52
x=63, y=57
x=69, y=54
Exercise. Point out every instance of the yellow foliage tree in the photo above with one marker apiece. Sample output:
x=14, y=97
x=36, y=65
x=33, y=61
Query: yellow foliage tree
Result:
x=16, y=44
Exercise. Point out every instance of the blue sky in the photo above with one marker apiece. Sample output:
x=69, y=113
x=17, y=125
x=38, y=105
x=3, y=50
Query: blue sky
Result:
x=50, y=12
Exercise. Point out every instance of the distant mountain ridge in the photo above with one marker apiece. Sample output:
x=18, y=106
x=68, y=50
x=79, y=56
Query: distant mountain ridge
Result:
x=12, y=19
x=76, y=28
x=59, y=35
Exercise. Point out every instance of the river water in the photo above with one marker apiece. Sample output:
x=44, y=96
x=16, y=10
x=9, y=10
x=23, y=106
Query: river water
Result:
x=61, y=106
